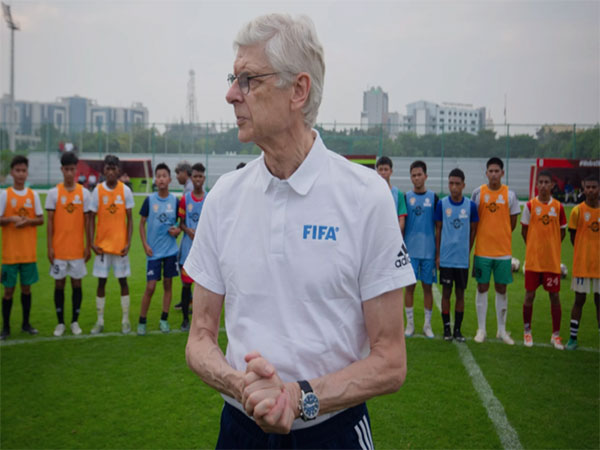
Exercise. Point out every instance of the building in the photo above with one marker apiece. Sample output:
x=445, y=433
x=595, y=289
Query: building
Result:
x=375, y=108
x=69, y=115
x=424, y=117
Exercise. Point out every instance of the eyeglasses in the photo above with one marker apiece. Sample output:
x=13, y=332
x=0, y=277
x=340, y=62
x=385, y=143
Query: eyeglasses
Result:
x=243, y=80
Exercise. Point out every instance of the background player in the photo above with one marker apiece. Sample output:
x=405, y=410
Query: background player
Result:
x=183, y=171
x=455, y=227
x=159, y=210
x=111, y=202
x=543, y=224
x=498, y=208
x=190, y=208
x=584, y=228
x=420, y=241
x=384, y=168
x=20, y=213
x=68, y=207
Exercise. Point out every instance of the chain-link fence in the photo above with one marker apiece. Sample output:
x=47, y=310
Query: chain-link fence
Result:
x=217, y=147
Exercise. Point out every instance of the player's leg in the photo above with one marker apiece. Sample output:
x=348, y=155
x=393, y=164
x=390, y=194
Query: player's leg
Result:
x=532, y=281
x=76, y=270
x=527, y=315
x=122, y=271
x=167, y=294
x=58, y=271
x=100, y=302
x=409, y=300
x=428, y=277
x=59, y=306
x=482, y=271
x=446, y=294
x=101, y=270
x=459, y=308
x=29, y=276
x=152, y=277
x=556, y=313
x=76, y=299
x=170, y=270
x=502, y=277
x=9, y=281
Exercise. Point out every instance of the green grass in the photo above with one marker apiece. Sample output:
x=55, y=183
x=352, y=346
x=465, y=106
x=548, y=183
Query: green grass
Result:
x=133, y=392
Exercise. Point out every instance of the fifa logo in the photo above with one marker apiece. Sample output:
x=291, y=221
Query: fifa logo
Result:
x=320, y=232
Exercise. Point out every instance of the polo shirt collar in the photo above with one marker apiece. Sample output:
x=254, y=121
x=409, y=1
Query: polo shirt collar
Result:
x=305, y=176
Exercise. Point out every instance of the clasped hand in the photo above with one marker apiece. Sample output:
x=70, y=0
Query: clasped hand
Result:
x=266, y=398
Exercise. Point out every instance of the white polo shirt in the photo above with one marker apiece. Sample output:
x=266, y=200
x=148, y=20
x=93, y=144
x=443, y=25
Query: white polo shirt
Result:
x=296, y=258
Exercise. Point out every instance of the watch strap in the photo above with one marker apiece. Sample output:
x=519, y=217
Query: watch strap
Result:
x=305, y=386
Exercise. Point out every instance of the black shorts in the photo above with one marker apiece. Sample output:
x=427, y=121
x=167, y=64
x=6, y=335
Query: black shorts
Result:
x=350, y=429
x=450, y=275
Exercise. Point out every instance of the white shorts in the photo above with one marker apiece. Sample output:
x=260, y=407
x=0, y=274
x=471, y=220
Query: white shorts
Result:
x=75, y=268
x=582, y=285
x=103, y=263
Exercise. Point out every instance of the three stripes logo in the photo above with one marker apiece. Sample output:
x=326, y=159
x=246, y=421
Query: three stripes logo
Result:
x=403, y=258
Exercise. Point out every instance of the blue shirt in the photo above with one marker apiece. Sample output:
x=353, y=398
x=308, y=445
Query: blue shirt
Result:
x=419, y=231
x=193, y=209
x=456, y=221
x=161, y=214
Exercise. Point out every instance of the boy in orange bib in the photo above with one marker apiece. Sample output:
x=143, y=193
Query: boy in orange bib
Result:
x=20, y=213
x=111, y=203
x=68, y=238
x=543, y=225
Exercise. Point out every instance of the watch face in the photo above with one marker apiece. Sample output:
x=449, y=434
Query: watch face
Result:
x=310, y=405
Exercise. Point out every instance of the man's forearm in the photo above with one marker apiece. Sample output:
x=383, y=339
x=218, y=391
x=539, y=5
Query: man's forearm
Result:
x=382, y=372
x=206, y=359
x=375, y=375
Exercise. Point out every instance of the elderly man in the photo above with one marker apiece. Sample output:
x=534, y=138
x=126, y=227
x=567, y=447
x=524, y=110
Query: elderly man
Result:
x=304, y=249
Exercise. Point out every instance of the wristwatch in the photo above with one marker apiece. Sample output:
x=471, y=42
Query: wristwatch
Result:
x=309, y=402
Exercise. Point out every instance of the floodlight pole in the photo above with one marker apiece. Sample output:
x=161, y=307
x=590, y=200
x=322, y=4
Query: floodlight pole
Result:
x=11, y=107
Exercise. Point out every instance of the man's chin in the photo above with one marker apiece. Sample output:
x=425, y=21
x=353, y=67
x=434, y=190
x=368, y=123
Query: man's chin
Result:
x=244, y=136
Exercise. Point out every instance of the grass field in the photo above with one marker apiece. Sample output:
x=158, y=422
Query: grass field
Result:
x=117, y=391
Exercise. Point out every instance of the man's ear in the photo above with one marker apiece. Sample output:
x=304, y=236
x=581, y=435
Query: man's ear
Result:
x=300, y=91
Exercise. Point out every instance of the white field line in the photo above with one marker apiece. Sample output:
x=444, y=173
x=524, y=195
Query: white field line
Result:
x=507, y=434
x=37, y=340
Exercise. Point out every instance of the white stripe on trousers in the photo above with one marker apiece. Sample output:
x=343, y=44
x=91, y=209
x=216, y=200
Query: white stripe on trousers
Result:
x=364, y=434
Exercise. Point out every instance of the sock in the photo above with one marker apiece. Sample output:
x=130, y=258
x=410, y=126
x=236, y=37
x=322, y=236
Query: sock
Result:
x=26, y=304
x=501, y=308
x=186, y=296
x=556, y=316
x=428, y=313
x=164, y=316
x=100, y=301
x=142, y=320
x=409, y=315
x=76, y=300
x=527, y=313
x=458, y=318
x=125, y=307
x=59, y=304
x=446, y=319
x=6, y=307
x=574, y=329
x=481, y=304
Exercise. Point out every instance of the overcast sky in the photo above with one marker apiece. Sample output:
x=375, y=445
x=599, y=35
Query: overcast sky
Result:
x=544, y=55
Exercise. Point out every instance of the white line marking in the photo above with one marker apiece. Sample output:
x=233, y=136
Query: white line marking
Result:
x=507, y=434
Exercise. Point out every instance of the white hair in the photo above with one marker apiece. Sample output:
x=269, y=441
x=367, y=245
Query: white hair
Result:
x=291, y=47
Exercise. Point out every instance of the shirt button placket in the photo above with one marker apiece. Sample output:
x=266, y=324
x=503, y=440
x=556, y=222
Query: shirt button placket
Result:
x=278, y=216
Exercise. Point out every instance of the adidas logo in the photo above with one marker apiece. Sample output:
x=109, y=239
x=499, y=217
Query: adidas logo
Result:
x=403, y=258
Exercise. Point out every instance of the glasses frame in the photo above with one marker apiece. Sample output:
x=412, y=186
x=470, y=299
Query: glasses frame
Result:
x=244, y=80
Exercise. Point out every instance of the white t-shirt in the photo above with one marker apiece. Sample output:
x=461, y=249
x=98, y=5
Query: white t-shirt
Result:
x=296, y=258
x=37, y=203
x=129, y=202
x=52, y=198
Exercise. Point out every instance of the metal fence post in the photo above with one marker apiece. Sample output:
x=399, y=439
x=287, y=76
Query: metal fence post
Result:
x=442, y=170
x=48, y=155
x=574, y=140
x=507, y=151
